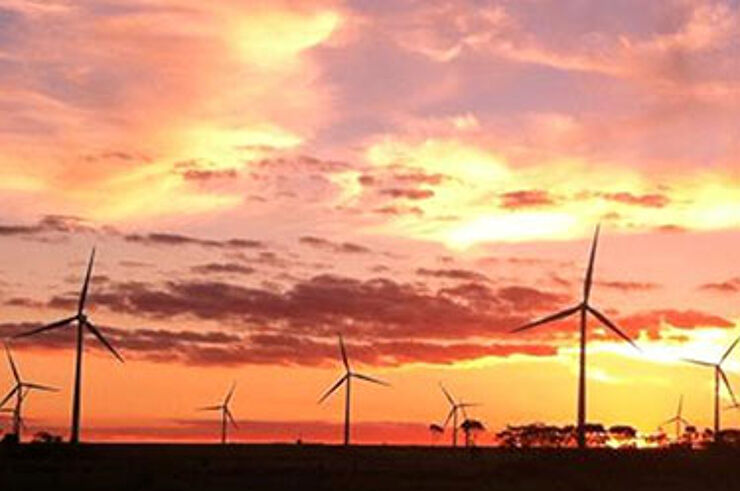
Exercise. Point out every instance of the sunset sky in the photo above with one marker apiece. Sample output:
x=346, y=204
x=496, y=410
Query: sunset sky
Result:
x=422, y=176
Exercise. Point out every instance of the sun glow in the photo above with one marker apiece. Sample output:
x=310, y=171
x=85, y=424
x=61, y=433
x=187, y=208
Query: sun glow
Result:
x=514, y=227
x=446, y=156
x=271, y=39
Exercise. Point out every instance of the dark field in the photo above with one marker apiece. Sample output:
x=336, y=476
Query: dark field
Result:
x=254, y=467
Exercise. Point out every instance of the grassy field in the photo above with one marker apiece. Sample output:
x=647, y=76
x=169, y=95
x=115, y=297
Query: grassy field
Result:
x=280, y=467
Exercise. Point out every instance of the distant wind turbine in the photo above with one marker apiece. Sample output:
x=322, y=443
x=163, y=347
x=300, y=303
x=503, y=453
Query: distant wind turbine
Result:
x=346, y=379
x=678, y=419
x=583, y=308
x=718, y=374
x=226, y=415
x=454, y=408
x=82, y=323
x=20, y=391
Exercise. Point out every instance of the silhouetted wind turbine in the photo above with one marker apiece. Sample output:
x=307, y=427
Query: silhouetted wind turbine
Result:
x=20, y=395
x=225, y=413
x=718, y=374
x=454, y=408
x=584, y=308
x=678, y=419
x=82, y=323
x=346, y=380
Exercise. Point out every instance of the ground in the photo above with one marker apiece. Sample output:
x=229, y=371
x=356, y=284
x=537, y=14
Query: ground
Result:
x=282, y=467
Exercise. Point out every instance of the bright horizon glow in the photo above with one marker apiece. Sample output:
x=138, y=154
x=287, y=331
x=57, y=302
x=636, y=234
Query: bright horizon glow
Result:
x=518, y=227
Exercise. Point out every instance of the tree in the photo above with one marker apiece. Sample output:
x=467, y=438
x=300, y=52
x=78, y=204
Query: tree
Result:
x=470, y=428
x=436, y=431
x=623, y=435
x=46, y=437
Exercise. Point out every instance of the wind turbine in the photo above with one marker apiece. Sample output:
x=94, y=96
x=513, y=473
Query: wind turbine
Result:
x=678, y=419
x=20, y=395
x=346, y=379
x=82, y=323
x=718, y=374
x=584, y=308
x=454, y=408
x=225, y=413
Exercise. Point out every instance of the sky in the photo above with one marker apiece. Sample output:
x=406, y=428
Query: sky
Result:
x=421, y=176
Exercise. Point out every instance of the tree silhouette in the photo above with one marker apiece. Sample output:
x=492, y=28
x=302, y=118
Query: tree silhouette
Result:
x=470, y=428
x=436, y=432
x=623, y=435
x=539, y=435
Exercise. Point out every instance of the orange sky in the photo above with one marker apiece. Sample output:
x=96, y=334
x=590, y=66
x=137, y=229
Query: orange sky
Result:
x=422, y=176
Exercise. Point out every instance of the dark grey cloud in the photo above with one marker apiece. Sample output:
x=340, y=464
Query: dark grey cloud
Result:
x=340, y=247
x=223, y=268
x=408, y=193
x=731, y=285
x=452, y=274
x=47, y=224
x=169, y=239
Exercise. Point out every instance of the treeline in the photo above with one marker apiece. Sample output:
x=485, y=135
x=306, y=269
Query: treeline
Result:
x=539, y=435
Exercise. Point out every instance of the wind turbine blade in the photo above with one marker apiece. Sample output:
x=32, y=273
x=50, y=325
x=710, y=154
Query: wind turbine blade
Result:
x=105, y=342
x=550, y=318
x=333, y=388
x=86, y=284
x=370, y=379
x=210, y=408
x=465, y=413
x=469, y=404
x=47, y=327
x=699, y=362
x=449, y=416
x=672, y=420
x=729, y=350
x=10, y=394
x=231, y=418
x=604, y=320
x=16, y=375
x=588, y=281
x=231, y=393
x=40, y=387
x=345, y=360
x=447, y=394
x=684, y=422
x=727, y=384
x=680, y=406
